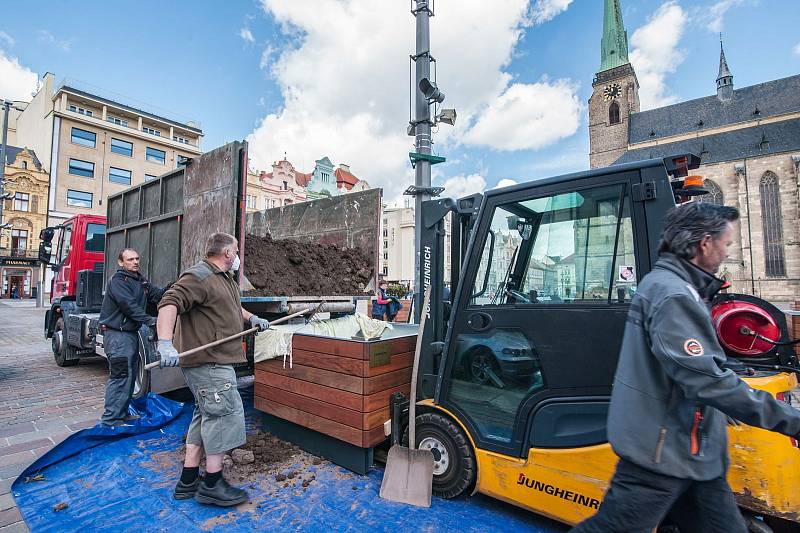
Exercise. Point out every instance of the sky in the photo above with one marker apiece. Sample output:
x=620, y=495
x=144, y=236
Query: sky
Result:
x=314, y=78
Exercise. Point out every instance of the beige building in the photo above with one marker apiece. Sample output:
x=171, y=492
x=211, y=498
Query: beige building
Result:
x=26, y=213
x=748, y=141
x=96, y=145
x=397, y=258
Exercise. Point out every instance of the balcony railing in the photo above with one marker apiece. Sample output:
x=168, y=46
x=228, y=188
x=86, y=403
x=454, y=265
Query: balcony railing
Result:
x=19, y=252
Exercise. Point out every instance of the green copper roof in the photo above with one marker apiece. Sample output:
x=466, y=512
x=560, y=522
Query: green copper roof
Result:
x=614, y=46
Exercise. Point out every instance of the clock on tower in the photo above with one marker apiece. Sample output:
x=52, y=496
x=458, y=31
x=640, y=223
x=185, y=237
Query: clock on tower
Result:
x=612, y=91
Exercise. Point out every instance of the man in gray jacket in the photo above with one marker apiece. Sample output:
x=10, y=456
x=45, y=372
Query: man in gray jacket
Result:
x=672, y=391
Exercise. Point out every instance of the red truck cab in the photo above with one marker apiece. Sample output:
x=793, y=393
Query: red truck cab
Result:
x=80, y=246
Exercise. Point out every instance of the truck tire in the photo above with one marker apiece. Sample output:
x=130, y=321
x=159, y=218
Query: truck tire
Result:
x=62, y=350
x=141, y=384
x=454, y=465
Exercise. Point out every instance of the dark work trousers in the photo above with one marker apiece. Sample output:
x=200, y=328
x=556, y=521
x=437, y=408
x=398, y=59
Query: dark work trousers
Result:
x=122, y=351
x=638, y=500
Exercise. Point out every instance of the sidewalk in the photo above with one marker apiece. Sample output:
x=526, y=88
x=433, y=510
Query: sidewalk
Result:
x=40, y=403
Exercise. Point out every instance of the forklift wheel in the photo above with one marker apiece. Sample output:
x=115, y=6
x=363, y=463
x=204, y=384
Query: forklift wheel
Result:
x=454, y=466
x=60, y=347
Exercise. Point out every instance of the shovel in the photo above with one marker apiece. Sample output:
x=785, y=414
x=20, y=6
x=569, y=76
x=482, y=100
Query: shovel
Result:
x=154, y=364
x=408, y=477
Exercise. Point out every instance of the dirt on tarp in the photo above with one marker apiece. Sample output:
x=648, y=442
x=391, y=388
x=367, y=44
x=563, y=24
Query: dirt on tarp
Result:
x=288, y=267
x=263, y=458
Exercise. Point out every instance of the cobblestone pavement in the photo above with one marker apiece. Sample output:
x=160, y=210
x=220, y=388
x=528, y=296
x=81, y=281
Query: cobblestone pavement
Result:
x=41, y=404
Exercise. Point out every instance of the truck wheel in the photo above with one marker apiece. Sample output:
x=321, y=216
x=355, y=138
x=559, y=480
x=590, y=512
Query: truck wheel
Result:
x=141, y=385
x=60, y=347
x=454, y=466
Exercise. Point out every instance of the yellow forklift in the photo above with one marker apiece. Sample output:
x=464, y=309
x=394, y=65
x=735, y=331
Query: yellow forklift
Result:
x=516, y=371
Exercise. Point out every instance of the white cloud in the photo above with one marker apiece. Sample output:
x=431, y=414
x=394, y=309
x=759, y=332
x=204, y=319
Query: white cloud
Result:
x=529, y=116
x=713, y=16
x=460, y=186
x=246, y=35
x=544, y=10
x=266, y=57
x=16, y=81
x=7, y=38
x=48, y=38
x=656, y=53
x=346, y=92
x=796, y=49
x=505, y=182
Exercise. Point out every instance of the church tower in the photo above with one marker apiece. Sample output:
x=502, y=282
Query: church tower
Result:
x=616, y=92
x=724, y=78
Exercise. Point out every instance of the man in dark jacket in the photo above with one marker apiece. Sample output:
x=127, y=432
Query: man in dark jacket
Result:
x=672, y=391
x=121, y=316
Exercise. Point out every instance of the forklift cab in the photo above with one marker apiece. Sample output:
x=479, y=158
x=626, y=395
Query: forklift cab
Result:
x=538, y=320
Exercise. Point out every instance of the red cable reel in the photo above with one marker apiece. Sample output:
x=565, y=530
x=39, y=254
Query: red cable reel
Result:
x=739, y=325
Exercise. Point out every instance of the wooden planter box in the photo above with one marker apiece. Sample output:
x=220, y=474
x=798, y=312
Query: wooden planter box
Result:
x=336, y=386
x=402, y=315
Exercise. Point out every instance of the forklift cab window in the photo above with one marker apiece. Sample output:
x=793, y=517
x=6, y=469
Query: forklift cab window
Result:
x=95, y=237
x=559, y=249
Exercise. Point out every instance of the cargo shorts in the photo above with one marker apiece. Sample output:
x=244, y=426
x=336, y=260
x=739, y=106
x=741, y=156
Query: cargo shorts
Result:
x=218, y=419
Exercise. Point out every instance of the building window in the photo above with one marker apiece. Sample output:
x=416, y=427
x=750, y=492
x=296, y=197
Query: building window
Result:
x=266, y=203
x=156, y=156
x=84, y=138
x=385, y=271
x=613, y=113
x=181, y=161
x=81, y=168
x=714, y=195
x=21, y=201
x=148, y=177
x=182, y=140
x=121, y=147
x=774, y=260
x=25, y=165
x=79, y=198
x=151, y=131
x=117, y=121
x=119, y=175
x=386, y=255
x=81, y=110
x=19, y=242
x=251, y=202
x=285, y=186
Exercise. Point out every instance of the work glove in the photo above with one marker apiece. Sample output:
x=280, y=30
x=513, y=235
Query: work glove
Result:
x=260, y=323
x=167, y=354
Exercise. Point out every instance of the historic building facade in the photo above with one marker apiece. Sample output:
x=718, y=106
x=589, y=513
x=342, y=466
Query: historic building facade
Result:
x=25, y=211
x=748, y=140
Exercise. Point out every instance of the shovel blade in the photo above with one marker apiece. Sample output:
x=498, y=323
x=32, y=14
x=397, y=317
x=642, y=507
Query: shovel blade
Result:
x=408, y=477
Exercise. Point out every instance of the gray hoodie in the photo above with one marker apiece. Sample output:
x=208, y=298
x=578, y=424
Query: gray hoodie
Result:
x=671, y=388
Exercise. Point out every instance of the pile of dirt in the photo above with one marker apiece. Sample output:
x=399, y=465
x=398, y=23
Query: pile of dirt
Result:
x=263, y=457
x=288, y=267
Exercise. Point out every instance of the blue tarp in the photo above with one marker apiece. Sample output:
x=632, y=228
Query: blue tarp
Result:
x=109, y=480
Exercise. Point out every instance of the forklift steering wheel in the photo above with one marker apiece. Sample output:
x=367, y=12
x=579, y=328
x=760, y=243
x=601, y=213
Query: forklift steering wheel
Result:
x=511, y=293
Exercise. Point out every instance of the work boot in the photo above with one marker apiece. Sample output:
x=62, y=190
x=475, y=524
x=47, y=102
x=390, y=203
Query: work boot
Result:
x=221, y=494
x=184, y=491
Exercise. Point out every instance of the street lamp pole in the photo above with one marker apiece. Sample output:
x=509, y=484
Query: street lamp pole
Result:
x=6, y=108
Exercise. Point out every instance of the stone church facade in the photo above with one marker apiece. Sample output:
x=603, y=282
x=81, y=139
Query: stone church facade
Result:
x=748, y=140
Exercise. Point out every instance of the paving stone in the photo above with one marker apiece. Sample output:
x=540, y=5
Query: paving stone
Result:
x=23, y=446
x=16, y=527
x=6, y=502
x=9, y=516
x=41, y=403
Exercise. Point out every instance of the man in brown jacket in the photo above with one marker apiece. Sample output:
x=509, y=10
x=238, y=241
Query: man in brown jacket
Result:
x=206, y=297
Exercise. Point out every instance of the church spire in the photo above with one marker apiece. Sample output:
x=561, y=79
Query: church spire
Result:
x=614, y=46
x=724, y=78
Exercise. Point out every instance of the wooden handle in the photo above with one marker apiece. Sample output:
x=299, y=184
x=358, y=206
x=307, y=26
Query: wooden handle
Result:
x=154, y=364
x=412, y=398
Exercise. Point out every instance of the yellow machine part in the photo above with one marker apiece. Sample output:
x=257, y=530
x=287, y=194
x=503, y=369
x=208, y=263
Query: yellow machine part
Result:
x=568, y=484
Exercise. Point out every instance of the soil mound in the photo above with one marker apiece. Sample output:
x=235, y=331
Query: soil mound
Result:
x=288, y=267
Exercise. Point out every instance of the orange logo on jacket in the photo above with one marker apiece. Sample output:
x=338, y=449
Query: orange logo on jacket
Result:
x=693, y=347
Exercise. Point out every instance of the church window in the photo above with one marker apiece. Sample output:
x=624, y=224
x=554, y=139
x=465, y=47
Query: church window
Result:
x=714, y=195
x=613, y=113
x=775, y=263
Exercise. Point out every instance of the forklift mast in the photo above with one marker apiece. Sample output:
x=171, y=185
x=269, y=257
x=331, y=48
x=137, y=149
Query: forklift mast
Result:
x=432, y=256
